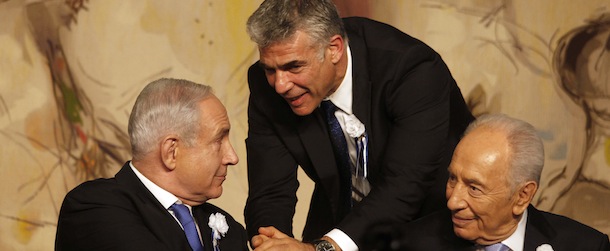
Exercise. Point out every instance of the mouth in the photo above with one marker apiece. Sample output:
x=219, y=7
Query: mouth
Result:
x=222, y=176
x=460, y=221
x=220, y=179
x=296, y=101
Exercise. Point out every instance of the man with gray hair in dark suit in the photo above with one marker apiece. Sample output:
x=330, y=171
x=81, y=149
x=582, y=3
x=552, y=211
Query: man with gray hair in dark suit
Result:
x=179, y=133
x=493, y=176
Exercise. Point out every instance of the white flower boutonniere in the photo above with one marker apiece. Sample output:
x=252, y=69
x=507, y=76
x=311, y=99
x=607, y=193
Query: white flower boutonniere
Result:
x=355, y=128
x=219, y=226
x=544, y=247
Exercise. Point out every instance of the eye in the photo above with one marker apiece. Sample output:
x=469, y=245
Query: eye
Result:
x=296, y=68
x=269, y=71
x=474, y=190
x=452, y=180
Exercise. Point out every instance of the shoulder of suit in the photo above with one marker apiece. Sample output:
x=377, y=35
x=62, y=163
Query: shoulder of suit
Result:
x=98, y=185
x=563, y=224
x=212, y=209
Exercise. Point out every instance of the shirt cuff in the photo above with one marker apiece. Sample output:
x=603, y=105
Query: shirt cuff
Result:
x=343, y=240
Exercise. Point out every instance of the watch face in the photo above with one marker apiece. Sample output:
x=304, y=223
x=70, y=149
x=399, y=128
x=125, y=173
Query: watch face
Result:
x=323, y=245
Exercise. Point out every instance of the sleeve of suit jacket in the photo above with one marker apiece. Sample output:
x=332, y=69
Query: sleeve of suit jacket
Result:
x=272, y=170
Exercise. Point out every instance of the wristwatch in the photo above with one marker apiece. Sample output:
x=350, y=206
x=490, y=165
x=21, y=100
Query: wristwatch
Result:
x=323, y=245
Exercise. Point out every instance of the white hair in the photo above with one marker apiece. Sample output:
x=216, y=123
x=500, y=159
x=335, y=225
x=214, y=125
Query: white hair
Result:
x=527, y=150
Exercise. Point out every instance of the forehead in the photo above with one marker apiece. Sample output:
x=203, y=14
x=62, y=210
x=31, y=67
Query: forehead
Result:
x=213, y=114
x=483, y=152
x=294, y=47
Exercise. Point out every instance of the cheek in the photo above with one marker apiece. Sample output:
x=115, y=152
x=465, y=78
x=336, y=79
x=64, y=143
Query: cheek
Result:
x=205, y=163
x=488, y=215
x=301, y=80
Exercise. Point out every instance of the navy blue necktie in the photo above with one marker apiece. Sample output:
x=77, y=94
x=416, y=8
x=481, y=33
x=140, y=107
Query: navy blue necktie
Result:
x=337, y=138
x=190, y=230
x=497, y=247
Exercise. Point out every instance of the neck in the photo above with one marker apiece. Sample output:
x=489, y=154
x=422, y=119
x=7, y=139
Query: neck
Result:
x=340, y=71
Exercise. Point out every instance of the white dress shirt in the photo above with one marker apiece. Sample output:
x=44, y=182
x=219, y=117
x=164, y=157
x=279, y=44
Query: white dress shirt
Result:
x=516, y=241
x=342, y=99
x=166, y=198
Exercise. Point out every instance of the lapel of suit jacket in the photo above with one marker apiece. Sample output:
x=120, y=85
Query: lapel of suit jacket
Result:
x=361, y=93
x=314, y=135
x=235, y=237
x=156, y=217
x=537, y=231
x=202, y=215
x=361, y=87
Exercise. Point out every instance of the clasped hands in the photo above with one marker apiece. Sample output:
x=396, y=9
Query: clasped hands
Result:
x=270, y=238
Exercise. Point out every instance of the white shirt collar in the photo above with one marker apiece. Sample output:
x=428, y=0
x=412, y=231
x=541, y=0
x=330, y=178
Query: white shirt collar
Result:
x=166, y=198
x=342, y=97
x=516, y=241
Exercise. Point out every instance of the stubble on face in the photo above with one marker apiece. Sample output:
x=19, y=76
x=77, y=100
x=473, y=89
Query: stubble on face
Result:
x=296, y=71
x=204, y=166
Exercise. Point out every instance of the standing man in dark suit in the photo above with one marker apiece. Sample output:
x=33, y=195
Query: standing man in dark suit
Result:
x=391, y=100
x=179, y=134
x=493, y=177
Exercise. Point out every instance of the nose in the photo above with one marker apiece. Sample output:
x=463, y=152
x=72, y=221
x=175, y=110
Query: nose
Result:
x=455, y=197
x=230, y=157
x=282, y=83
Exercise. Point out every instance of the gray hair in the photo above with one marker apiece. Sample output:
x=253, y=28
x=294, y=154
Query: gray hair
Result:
x=165, y=106
x=277, y=20
x=527, y=150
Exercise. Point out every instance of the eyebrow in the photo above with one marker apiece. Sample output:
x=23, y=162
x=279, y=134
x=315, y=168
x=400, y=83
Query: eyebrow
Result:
x=483, y=187
x=468, y=180
x=223, y=132
x=473, y=181
x=285, y=66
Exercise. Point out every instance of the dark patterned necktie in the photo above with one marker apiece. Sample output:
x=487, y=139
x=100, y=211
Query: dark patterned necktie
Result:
x=340, y=149
x=190, y=230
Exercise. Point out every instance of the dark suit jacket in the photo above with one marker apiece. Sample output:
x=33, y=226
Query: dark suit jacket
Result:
x=121, y=214
x=414, y=115
x=435, y=232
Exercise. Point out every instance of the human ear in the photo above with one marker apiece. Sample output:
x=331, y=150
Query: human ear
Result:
x=169, y=152
x=525, y=195
x=337, y=48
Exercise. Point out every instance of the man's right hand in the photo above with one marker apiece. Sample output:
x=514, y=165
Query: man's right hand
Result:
x=269, y=238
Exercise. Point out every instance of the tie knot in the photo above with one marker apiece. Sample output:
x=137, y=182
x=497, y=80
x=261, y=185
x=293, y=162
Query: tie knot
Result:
x=182, y=213
x=497, y=247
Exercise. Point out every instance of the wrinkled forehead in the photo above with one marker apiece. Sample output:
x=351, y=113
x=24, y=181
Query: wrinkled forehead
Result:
x=483, y=150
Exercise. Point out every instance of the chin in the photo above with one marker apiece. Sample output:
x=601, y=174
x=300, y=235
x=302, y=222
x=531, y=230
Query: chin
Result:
x=217, y=193
x=464, y=234
x=301, y=111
